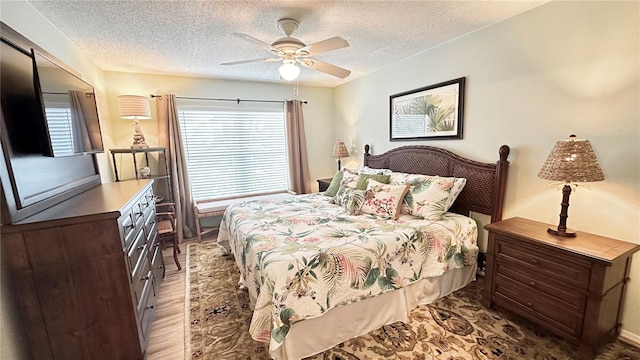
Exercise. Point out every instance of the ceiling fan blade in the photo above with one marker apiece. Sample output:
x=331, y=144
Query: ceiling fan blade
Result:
x=261, y=44
x=325, y=68
x=333, y=43
x=251, y=61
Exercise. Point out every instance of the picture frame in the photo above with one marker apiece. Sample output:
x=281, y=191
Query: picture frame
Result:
x=433, y=112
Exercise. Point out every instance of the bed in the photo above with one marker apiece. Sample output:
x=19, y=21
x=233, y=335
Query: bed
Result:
x=318, y=275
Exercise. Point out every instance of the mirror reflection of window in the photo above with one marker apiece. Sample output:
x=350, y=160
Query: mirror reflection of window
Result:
x=60, y=129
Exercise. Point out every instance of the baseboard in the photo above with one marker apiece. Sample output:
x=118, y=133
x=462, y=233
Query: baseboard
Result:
x=630, y=338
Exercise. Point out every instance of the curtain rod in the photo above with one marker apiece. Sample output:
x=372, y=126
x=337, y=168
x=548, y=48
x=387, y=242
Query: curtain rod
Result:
x=65, y=93
x=237, y=100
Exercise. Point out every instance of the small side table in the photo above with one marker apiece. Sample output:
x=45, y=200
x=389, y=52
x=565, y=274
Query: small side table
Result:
x=573, y=287
x=323, y=184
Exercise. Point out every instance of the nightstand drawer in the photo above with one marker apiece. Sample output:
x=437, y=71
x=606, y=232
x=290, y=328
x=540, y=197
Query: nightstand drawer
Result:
x=532, y=280
x=543, y=263
x=539, y=304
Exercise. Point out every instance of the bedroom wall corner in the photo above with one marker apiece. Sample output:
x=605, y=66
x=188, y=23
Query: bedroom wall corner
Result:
x=560, y=68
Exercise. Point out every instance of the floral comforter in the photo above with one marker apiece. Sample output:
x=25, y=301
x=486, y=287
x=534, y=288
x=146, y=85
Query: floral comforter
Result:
x=302, y=256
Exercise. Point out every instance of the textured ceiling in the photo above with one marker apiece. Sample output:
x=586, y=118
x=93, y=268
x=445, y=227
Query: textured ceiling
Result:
x=191, y=38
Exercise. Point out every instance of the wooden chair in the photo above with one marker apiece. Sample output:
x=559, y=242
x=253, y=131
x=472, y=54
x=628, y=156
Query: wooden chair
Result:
x=167, y=228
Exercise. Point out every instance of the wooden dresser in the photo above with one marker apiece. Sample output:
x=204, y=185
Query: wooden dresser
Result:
x=573, y=287
x=82, y=275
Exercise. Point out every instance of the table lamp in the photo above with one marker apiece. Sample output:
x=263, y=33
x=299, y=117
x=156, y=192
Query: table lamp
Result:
x=571, y=161
x=339, y=151
x=135, y=107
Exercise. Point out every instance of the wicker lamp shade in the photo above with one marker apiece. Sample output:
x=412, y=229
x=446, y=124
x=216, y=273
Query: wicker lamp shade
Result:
x=135, y=107
x=339, y=151
x=572, y=160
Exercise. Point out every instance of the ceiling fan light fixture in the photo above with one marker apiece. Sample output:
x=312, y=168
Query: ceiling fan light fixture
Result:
x=289, y=71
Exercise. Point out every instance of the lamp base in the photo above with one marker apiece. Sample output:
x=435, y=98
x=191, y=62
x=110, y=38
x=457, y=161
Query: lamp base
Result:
x=138, y=136
x=560, y=233
x=139, y=146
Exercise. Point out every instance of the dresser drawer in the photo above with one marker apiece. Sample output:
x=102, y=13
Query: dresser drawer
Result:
x=150, y=226
x=128, y=228
x=543, y=263
x=146, y=200
x=141, y=275
x=146, y=308
x=574, y=297
x=138, y=248
x=157, y=264
x=138, y=215
x=539, y=304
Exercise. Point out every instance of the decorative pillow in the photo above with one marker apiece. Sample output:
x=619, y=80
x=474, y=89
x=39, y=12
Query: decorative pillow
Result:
x=384, y=200
x=405, y=178
x=351, y=199
x=334, y=186
x=349, y=179
x=431, y=198
x=365, y=170
x=364, y=178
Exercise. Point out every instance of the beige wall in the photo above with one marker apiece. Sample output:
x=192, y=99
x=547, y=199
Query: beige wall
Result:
x=561, y=68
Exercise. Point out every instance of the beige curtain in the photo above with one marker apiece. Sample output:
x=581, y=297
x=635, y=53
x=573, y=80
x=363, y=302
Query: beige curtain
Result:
x=297, y=147
x=170, y=138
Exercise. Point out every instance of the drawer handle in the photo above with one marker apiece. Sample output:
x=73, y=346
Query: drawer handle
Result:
x=139, y=213
x=140, y=247
x=534, y=261
x=157, y=244
x=532, y=284
x=160, y=266
x=130, y=227
x=149, y=307
x=145, y=278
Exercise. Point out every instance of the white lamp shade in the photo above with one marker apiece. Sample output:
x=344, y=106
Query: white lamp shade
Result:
x=289, y=71
x=134, y=107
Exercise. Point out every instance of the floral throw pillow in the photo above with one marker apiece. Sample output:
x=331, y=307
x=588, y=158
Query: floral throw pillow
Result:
x=351, y=199
x=349, y=179
x=431, y=198
x=384, y=200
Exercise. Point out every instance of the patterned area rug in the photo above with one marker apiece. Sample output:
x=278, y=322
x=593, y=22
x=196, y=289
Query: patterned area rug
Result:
x=455, y=327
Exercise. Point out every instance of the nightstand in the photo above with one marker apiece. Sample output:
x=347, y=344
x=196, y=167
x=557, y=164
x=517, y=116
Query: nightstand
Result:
x=323, y=184
x=573, y=287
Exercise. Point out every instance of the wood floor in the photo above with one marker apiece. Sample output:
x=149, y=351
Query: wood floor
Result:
x=166, y=340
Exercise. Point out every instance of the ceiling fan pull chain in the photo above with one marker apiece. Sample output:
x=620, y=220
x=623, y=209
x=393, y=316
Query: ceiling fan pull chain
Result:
x=296, y=89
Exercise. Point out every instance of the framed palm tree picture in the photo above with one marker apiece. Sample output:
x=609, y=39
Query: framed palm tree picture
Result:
x=430, y=112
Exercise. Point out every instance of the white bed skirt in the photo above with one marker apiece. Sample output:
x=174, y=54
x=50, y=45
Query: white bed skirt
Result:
x=342, y=323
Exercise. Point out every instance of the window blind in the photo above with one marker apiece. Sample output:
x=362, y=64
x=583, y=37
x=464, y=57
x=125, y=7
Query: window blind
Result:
x=60, y=132
x=234, y=152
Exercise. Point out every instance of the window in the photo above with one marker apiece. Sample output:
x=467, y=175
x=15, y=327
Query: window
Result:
x=237, y=151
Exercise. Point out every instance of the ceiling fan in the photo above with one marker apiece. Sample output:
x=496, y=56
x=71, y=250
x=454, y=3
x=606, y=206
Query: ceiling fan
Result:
x=290, y=51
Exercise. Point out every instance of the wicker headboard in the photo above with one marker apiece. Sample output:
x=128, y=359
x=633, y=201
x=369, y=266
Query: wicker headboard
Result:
x=486, y=183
